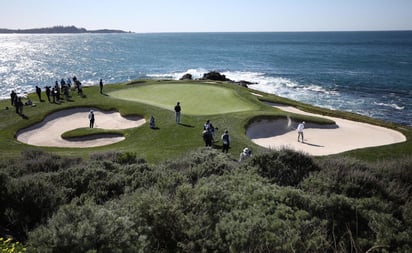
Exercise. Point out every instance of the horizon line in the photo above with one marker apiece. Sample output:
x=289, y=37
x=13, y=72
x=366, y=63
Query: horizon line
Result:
x=286, y=31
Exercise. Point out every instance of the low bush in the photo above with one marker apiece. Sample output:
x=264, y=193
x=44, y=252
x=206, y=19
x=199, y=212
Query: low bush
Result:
x=284, y=167
x=88, y=228
x=34, y=161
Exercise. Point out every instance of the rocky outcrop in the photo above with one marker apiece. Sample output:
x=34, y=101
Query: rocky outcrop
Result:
x=215, y=76
x=244, y=83
x=187, y=76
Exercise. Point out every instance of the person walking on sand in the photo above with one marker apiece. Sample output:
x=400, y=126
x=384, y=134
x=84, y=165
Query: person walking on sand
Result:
x=91, y=118
x=225, y=141
x=178, y=109
x=301, y=126
x=101, y=86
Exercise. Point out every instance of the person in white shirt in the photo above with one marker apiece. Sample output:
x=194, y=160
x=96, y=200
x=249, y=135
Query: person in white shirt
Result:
x=301, y=126
x=246, y=153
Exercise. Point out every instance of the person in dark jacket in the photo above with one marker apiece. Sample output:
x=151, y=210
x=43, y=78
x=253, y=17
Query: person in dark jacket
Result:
x=178, y=109
x=91, y=118
x=225, y=141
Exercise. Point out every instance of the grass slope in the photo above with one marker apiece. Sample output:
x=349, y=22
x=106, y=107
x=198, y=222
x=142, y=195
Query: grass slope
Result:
x=228, y=106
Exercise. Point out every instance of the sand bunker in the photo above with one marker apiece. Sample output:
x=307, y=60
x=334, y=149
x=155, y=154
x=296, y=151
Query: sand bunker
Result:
x=320, y=140
x=48, y=132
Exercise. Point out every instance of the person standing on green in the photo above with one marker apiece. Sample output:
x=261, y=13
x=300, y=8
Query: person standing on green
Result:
x=178, y=110
x=101, y=86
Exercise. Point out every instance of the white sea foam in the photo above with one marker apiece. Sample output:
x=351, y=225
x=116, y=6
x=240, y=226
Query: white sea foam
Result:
x=196, y=74
x=394, y=106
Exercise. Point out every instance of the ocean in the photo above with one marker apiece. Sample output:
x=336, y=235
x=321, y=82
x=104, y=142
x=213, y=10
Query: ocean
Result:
x=368, y=73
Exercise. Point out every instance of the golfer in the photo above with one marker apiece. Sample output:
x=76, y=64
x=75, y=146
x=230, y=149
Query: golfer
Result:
x=301, y=126
x=177, y=110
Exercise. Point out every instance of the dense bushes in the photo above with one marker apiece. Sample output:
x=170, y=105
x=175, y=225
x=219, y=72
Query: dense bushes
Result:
x=207, y=202
x=87, y=227
x=285, y=167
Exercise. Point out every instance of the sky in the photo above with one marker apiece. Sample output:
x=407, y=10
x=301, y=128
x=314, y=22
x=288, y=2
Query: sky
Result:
x=152, y=16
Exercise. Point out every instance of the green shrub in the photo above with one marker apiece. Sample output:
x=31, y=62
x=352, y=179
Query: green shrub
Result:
x=240, y=212
x=284, y=167
x=127, y=158
x=157, y=217
x=118, y=157
x=202, y=162
x=93, y=182
x=357, y=179
x=29, y=202
x=88, y=228
x=34, y=161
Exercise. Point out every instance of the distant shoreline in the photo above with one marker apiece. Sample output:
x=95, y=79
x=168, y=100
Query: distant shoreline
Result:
x=58, y=29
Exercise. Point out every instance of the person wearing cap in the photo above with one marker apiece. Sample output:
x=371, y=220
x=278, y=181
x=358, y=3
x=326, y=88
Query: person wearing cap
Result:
x=301, y=126
x=91, y=118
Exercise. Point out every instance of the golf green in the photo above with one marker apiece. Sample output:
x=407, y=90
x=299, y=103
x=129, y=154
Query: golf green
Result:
x=195, y=99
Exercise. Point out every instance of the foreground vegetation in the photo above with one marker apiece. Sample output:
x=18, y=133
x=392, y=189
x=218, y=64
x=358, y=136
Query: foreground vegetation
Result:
x=206, y=202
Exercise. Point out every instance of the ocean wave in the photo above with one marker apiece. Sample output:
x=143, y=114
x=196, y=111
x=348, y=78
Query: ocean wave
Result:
x=196, y=74
x=394, y=106
x=277, y=84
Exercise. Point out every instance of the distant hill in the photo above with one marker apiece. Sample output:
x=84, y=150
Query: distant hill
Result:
x=60, y=29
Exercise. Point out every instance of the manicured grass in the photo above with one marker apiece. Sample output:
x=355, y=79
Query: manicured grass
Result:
x=201, y=99
x=86, y=132
x=228, y=106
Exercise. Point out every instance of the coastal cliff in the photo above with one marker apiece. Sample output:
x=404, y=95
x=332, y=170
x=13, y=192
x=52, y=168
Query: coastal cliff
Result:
x=59, y=29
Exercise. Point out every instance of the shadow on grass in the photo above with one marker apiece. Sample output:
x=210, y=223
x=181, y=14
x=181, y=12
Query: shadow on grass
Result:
x=24, y=116
x=186, y=125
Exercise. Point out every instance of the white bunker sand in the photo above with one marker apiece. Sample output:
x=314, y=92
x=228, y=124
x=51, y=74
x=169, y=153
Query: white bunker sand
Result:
x=48, y=132
x=320, y=140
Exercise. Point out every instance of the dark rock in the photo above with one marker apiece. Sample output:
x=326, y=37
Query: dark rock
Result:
x=244, y=83
x=215, y=76
x=187, y=76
